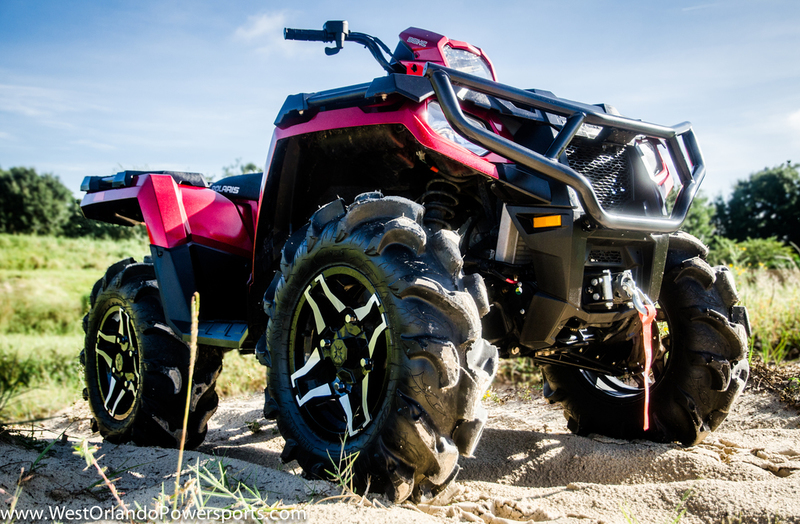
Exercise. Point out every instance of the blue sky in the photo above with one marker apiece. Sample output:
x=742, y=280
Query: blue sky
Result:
x=90, y=88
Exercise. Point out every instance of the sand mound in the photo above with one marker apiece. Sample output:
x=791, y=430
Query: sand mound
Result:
x=528, y=467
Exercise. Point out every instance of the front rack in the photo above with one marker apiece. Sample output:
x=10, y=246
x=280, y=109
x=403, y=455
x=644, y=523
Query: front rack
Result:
x=691, y=170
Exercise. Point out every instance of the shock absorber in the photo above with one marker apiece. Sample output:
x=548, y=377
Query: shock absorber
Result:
x=440, y=200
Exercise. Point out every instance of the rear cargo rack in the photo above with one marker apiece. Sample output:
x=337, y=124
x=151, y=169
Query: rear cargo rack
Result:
x=691, y=170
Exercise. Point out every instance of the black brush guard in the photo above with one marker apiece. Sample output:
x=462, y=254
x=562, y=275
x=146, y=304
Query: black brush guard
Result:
x=691, y=170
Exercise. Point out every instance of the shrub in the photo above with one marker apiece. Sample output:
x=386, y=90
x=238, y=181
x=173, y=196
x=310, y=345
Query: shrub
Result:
x=32, y=203
x=767, y=253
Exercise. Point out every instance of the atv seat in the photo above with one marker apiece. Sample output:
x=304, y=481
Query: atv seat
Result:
x=93, y=184
x=247, y=186
x=180, y=177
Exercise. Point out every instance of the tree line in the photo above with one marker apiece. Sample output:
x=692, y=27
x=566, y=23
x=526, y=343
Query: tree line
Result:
x=757, y=225
x=34, y=203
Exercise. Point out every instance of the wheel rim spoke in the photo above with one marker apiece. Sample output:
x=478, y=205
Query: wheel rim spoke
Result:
x=324, y=390
x=362, y=312
x=334, y=300
x=376, y=335
x=310, y=364
x=105, y=356
x=124, y=331
x=107, y=338
x=364, y=405
x=112, y=384
x=344, y=400
x=320, y=323
x=113, y=409
x=337, y=304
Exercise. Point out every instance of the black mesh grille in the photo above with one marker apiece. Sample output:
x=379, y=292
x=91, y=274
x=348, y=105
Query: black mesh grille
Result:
x=603, y=256
x=607, y=170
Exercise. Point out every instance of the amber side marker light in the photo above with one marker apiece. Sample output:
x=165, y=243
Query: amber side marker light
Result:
x=547, y=221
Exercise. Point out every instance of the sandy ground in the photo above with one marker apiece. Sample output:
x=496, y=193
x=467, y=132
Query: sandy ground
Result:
x=528, y=467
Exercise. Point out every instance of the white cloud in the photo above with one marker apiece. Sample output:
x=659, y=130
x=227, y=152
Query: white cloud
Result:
x=265, y=33
x=6, y=136
x=264, y=26
x=33, y=101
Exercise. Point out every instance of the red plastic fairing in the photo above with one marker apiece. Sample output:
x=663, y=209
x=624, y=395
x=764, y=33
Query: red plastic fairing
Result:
x=176, y=215
x=429, y=47
x=411, y=115
x=215, y=221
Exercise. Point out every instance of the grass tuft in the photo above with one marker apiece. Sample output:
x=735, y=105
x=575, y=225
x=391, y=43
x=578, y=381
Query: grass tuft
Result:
x=772, y=297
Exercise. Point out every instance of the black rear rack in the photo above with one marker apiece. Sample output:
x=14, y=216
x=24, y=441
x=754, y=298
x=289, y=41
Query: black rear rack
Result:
x=691, y=170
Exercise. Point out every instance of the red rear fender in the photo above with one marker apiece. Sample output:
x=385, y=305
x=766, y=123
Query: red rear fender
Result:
x=175, y=215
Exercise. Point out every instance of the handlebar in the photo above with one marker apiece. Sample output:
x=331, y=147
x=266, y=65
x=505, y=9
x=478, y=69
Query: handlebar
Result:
x=310, y=35
x=337, y=31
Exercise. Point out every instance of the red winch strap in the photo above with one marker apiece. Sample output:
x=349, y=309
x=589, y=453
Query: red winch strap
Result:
x=647, y=340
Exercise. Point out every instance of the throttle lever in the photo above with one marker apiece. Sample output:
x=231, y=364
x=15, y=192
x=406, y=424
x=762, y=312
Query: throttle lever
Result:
x=337, y=30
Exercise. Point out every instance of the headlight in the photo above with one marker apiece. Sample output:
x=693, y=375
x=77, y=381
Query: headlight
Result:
x=467, y=62
x=439, y=123
x=590, y=131
x=650, y=157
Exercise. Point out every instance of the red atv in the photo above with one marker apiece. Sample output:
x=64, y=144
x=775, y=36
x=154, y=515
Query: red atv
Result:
x=405, y=233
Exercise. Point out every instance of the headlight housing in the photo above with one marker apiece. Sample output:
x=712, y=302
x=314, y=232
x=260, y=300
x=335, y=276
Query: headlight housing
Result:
x=467, y=62
x=436, y=119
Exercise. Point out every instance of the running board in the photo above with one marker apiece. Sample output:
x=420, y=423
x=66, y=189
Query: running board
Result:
x=230, y=335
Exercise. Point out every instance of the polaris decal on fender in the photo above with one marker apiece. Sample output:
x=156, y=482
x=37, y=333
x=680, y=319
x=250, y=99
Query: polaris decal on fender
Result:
x=234, y=190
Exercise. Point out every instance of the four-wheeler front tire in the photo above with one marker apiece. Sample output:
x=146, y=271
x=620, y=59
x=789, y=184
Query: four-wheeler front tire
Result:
x=137, y=370
x=700, y=365
x=376, y=349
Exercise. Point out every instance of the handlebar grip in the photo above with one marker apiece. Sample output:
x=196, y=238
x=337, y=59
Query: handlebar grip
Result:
x=312, y=35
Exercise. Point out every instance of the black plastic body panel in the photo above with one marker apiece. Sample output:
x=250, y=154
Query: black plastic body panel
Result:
x=300, y=107
x=93, y=184
x=560, y=258
x=220, y=278
x=245, y=187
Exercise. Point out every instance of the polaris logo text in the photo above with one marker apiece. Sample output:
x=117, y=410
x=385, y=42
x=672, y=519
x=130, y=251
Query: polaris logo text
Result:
x=226, y=189
x=417, y=41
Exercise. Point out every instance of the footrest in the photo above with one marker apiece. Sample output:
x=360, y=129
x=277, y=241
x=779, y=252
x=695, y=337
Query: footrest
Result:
x=224, y=334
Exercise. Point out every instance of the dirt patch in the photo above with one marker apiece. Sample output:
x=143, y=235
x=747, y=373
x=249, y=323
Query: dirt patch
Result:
x=528, y=467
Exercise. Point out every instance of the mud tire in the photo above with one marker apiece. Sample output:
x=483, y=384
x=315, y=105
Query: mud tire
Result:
x=430, y=363
x=150, y=412
x=706, y=370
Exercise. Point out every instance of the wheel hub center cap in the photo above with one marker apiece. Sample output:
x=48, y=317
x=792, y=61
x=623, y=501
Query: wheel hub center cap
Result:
x=338, y=352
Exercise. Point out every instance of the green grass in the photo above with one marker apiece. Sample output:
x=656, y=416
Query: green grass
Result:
x=24, y=252
x=46, y=301
x=53, y=374
x=772, y=298
x=44, y=292
x=45, y=284
x=241, y=374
